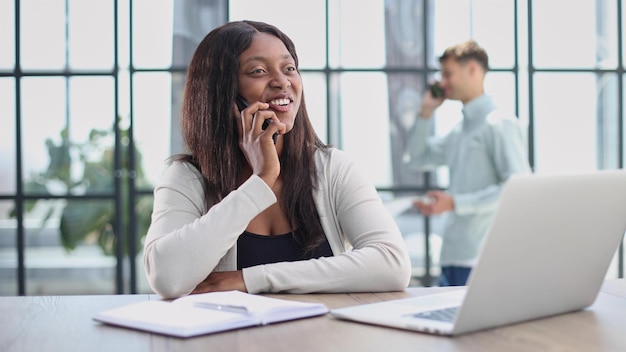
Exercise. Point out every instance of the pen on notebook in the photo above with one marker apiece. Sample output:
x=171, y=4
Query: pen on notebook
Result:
x=223, y=307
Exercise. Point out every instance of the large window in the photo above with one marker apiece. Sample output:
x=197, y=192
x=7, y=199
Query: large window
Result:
x=90, y=93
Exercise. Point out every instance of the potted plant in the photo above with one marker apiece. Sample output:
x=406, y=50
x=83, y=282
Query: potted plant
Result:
x=88, y=220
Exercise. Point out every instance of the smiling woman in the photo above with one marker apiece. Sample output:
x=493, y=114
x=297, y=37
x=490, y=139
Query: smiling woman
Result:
x=273, y=80
x=240, y=212
x=364, y=69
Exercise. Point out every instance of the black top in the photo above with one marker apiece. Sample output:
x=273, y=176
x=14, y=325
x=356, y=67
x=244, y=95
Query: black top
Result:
x=253, y=249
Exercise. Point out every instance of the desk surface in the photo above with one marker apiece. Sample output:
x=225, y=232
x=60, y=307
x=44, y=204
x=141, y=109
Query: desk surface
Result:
x=63, y=323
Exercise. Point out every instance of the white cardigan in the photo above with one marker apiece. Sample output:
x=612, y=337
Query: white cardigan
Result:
x=185, y=243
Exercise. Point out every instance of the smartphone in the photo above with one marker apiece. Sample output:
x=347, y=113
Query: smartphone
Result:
x=436, y=91
x=242, y=104
x=425, y=199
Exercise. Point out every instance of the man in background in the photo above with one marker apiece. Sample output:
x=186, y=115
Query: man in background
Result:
x=481, y=152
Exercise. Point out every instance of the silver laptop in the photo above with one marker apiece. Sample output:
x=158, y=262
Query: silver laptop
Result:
x=547, y=252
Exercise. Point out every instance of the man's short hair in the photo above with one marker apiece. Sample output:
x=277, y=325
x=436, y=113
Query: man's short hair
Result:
x=466, y=51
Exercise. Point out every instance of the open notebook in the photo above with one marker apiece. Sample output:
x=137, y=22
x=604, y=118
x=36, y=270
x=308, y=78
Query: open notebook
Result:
x=546, y=253
x=207, y=313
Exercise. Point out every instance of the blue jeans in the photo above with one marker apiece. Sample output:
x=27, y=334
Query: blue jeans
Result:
x=454, y=275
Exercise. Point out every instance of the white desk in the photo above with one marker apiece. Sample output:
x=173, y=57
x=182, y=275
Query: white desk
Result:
x=63, y=323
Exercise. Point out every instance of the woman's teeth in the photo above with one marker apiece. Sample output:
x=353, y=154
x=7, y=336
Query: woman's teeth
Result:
x=280, y=102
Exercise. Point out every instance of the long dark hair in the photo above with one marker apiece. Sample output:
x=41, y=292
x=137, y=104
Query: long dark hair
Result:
x=212, y=140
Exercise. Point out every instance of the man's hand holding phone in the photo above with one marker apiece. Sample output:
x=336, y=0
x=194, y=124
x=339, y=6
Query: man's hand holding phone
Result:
x=433, y=97
x=436, y=90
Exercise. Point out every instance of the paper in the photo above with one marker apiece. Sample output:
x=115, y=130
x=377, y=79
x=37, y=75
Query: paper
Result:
x=219, y=311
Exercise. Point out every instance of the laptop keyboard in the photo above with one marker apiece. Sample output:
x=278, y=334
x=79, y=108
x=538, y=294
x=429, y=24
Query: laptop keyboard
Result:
x=445, y=314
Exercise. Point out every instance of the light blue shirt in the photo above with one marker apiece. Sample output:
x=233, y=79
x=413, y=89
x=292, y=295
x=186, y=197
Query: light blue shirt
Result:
x=481, y=152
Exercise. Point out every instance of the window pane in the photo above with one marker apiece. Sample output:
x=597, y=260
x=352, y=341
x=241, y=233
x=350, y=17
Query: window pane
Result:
x=305, y=27
x=152, y=118
x=7, y=39
x=490, y=22
x=8, y=253
x=493, y=26
x=193, y=20
x=357, y=34
x=152, y=33
x=585, y=37
x=43, y=114
x=608, y=120
x=501, y=86
x=607, y=34
x=124, y=35
x=144, y=213
x=452, y=23
x=623, y=15
x=74, y=155
x=405, y=95
x=7, y=139
x=566, y=122
x=91, y=37
x=365, y=123
x=92, y=105
x=404, y=35
x=315, y=95
x=92, y=117
x=63, y=254
x=42, y=34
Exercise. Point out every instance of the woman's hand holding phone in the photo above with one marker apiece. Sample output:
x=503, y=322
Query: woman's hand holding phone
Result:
x=258, y=127
x=242, y=104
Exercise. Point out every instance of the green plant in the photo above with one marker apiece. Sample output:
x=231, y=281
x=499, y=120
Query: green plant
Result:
x=93, y=220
